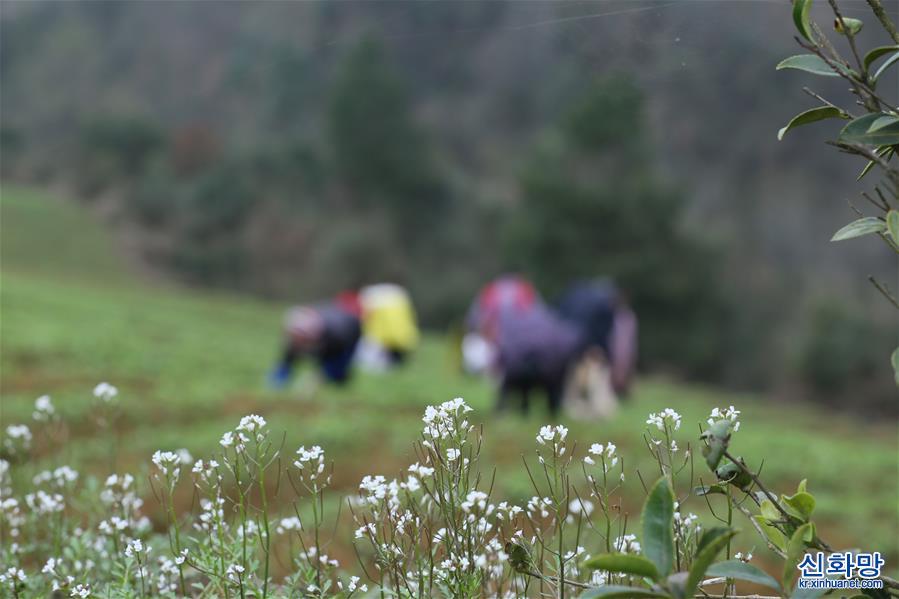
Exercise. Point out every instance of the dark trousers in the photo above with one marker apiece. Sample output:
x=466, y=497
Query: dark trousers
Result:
x=520, y=386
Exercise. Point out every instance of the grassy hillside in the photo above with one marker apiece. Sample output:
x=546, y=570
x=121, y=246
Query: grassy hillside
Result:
x=190, y=364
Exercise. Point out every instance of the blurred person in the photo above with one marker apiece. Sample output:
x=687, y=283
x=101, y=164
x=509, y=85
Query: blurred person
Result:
x=478, y=354
x=589, y=394
x=508, y=294
x=600, y=309
x=389, y=326
x=329, y=331
x=536, y=351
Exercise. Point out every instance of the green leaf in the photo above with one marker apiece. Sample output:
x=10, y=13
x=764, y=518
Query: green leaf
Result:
x=800, y=505
x=893, y=224
x=801, y=487
x=885, y=152
x=848, y=26
x=715, y=489
x=769, y=510
x=809, y=63
x=860, y=227
x=772, y=534
x=657, y=522
x=887, y=64
x=876, y=53
x=742, y=571
x=810, y=116
x=710, y=545
x=711, y=535
x=734, y=474
x=717, y=437
x=875, y=129
x=795, y=550
x=623, y=563
x=519, y=557
x=612, y=591
x=800, y=18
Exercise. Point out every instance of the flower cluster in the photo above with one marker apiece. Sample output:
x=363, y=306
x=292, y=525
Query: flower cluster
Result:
x=311, y=466
x=105, y=392
x=432, y=530
x=446, y=420
x=17, y=439
x=60, y=477
x=666, y=418
x=43, y=409
x=731, y=413
x=169, y=464
x=603, y=453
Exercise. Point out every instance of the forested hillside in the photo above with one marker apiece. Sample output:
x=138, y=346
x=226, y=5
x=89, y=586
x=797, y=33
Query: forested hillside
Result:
x=293, y=149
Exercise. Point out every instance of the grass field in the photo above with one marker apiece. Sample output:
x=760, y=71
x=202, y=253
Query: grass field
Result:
x=189, y=364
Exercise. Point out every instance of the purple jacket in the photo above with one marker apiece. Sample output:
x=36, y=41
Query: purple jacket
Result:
x=537, y=344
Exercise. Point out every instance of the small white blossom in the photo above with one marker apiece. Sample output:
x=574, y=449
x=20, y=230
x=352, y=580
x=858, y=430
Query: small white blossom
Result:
x=666, y=416
x=134, y=547
x=169, y=464
x=18, y=438
x=234, y=572
x=288, y=524
x=731, y=413
x=82, y=590
x=43, y=409
x=105, y=392
x=580, y=506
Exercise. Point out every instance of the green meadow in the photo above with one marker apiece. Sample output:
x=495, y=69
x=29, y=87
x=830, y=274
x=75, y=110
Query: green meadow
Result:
x=190, y=363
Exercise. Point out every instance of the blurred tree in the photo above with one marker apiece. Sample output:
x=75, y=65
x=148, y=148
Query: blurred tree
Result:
x=125, y=142
x=592, y=206
x=381, y=157
x=839, y=348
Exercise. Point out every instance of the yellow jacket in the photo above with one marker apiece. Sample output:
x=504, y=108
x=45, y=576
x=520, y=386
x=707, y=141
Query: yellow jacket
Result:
x=388, y=317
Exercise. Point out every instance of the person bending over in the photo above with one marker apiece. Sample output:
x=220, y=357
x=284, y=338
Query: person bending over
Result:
x=327, y=331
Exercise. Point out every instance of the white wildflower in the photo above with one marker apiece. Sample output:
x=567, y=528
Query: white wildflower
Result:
x=105, y=392
x=43, y=409
x=731, y=413
x=288, y=524
x=82, y=590
x=666, y=416
x=18, y=438
x=581, y=506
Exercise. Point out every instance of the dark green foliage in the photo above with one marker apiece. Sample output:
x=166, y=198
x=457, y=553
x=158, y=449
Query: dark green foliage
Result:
x=592, y=206
x=379, y=152
x=840, y=348
x=608, y=117
x=125, y=142
x=221, y=202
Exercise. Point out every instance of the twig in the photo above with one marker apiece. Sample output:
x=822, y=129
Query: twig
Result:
x=758, y=483
x=849, y=36
x=884, y=207
x=555, y=580
x=891, y=173
x=881, y=14
x=761, y=532
x=882, y=289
